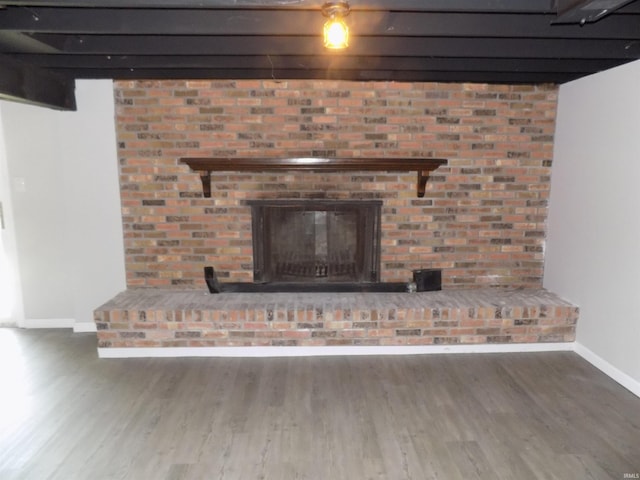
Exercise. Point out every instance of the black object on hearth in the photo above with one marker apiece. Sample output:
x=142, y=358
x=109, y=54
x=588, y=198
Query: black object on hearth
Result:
x=427, y=280
x=212, y=280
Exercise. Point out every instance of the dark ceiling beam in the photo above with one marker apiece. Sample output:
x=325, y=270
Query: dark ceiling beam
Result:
x=272, y=22
x=334, y=74
x=83, y=64
x=495, y=41
x=33, y=85
x=633, y=8
x=505, y=6
x=11, y=41
x=586, y=11
x=365, y=46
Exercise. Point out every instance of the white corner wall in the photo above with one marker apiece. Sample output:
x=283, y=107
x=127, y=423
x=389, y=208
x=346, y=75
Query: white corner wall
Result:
x=66, y=205
x=11, y=305
x=593, y=246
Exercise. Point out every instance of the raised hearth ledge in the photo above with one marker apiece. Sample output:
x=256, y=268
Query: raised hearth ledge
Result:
x=424, y=166
x=184, y=322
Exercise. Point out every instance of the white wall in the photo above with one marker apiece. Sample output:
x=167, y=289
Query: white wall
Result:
x=67, y=214
x=593, y=246
x=11, y=305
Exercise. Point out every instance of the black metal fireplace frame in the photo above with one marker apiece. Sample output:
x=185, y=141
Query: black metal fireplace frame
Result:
x=368, y=213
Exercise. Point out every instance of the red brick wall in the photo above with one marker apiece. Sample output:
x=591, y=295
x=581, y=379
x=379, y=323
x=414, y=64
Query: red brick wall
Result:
x=482, y=219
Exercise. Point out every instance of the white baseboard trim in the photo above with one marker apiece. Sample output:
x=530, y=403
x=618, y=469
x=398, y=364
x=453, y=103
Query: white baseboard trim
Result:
x=330, y=350
x=84, y=327
x=78, y=327
x=601, y=364
x=48, y=323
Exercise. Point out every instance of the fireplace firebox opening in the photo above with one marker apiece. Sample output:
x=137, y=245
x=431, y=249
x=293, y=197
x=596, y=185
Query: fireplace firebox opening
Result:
x=316, y=241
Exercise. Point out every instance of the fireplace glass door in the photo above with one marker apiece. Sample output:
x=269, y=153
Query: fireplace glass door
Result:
x=316, y=241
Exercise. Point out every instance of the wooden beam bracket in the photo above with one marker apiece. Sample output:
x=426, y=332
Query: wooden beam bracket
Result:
x=205, y=177
x=424, y=166
x=423, y=177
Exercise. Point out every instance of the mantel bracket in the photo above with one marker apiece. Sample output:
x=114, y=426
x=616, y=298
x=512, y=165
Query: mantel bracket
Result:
x=204, y=166
x=205, y=177
x=423, y=177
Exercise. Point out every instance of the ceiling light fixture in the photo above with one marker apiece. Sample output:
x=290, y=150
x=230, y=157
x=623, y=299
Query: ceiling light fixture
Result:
x=336, y=31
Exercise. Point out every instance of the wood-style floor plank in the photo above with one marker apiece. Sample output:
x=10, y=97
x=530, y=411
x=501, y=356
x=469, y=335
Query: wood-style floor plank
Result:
x=68, y=415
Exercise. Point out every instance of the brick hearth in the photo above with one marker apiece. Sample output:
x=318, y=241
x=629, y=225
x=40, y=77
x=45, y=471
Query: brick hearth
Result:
x=174, y=318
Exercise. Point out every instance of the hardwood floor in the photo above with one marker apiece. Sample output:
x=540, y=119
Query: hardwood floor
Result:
x=68, y=415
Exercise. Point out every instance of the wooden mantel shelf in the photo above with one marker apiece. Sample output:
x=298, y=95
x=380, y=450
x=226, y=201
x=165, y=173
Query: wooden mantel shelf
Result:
x=424, y=166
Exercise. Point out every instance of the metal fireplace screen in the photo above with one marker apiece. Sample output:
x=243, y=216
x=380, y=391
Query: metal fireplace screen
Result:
x=316, y=240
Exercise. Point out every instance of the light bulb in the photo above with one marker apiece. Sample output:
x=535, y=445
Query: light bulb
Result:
x=336, y=34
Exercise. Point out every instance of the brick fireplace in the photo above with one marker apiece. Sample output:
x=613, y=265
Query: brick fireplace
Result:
x=481, y=221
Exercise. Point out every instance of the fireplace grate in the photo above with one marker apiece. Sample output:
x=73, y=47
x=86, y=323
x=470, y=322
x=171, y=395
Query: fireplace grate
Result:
x=313, y=267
